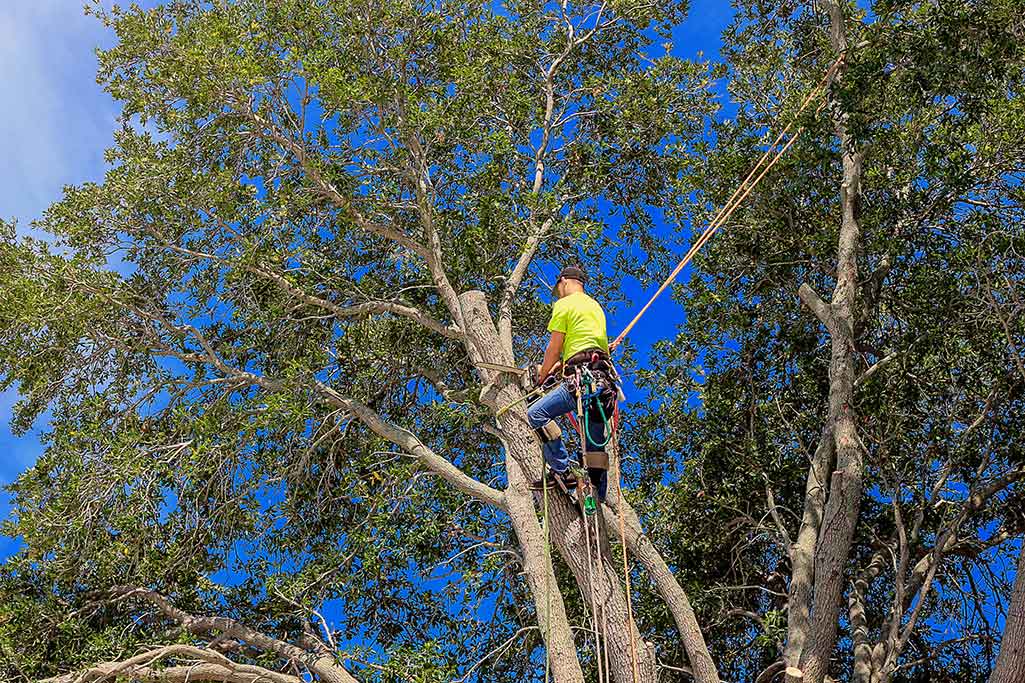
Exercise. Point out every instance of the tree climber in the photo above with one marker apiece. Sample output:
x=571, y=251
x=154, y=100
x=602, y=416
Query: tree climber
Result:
x=577, y=360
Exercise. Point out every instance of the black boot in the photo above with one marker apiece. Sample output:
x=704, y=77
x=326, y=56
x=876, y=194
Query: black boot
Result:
x=556, y=481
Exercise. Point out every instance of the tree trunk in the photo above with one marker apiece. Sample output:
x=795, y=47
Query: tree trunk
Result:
x=597, y=577
x=548, y=602
x=668, y=587
x=868, y=656
x=1010, y=666
x=802, y=552
x=836, y=532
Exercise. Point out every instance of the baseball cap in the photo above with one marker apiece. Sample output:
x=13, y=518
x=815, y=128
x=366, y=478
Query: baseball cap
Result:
x=570, y=273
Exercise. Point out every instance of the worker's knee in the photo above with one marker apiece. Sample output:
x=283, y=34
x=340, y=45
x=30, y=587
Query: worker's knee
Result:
x=536, y=417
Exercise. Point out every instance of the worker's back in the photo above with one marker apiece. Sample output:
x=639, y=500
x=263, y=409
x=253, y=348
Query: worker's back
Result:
x=582, y=320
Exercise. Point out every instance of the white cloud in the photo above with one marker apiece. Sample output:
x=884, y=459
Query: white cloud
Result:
x=55, y=121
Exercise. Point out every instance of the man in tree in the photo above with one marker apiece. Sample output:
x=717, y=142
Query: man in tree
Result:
x=578, y=350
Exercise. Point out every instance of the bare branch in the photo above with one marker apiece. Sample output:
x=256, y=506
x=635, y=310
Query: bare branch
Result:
x=774, y=511
x=816, y=305
x=876, y=367
x=407, y=441
x=324, y=666
x=449, y=331
x=369, y=307
x=267, y=130
x=208, y=666
x=515, y=279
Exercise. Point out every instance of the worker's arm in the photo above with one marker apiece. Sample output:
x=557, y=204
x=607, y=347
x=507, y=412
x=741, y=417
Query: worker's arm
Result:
x=552, y=355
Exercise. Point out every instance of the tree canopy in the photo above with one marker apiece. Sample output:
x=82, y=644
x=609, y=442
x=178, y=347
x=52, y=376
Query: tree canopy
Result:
x=275, y=451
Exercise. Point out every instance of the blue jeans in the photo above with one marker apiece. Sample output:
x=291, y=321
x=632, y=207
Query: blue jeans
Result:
x=556, y=404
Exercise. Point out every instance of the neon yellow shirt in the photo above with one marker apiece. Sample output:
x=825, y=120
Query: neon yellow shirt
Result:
x=581, y=319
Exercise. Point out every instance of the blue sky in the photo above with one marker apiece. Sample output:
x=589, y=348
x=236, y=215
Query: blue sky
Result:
x=56, y=123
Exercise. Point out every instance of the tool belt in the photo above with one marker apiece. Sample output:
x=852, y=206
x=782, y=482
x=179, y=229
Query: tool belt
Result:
x=591, y=357
x=597, y=363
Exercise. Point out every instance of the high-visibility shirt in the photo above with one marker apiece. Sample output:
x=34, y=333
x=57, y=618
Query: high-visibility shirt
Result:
x=581, y=319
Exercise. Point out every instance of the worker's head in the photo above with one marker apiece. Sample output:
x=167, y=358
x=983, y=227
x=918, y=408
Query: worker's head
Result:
x=572, y=279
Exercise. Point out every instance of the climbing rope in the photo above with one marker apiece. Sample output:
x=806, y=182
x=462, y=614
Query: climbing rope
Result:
x=601, y=619
x=587, y=538
x=549, y=570
x=605, y=630
x=739, y=194
x=626, y=566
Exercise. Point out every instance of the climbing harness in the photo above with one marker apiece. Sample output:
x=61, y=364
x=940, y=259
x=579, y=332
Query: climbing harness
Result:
x=594, y=382
x=595, y=393
x=739, y=195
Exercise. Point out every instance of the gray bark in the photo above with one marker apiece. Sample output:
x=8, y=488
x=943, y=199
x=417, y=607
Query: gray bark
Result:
x=1010, y=666
x=668, y=587
x=191, y=673
x=802, y=552
x=205, y=665
x=867, y=656
x=519, y=450
x=815, y=637
x=599, y=578
x=321, y=663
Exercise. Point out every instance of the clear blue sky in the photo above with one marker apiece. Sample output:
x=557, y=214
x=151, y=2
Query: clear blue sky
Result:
x=56, y=123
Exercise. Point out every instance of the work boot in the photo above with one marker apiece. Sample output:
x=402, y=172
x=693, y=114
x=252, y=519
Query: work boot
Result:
x=561, y=481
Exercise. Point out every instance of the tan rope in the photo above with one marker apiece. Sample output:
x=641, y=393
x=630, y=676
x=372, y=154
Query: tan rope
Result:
x=738, y=196
x=549, y=570
x=605, y=630
x=626, y=567
x=603, y=620
x=587, y=531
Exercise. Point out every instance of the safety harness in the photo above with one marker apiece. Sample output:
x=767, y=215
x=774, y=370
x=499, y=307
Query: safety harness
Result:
x=592, y=378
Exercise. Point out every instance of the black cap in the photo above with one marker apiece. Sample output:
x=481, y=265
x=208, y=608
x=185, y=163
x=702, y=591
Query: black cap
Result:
x=570, y=273
x=573, y=273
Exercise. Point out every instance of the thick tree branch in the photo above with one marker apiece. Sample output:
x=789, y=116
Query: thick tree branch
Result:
x=702, y=664
x=816, y=305
x=398, y=436
x=1010, y=665
x=515, y=279
x=402, y=310
x=208, y=666
x=818, y=583
x=408, y=442
x=858, y=616
x=324, y=666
